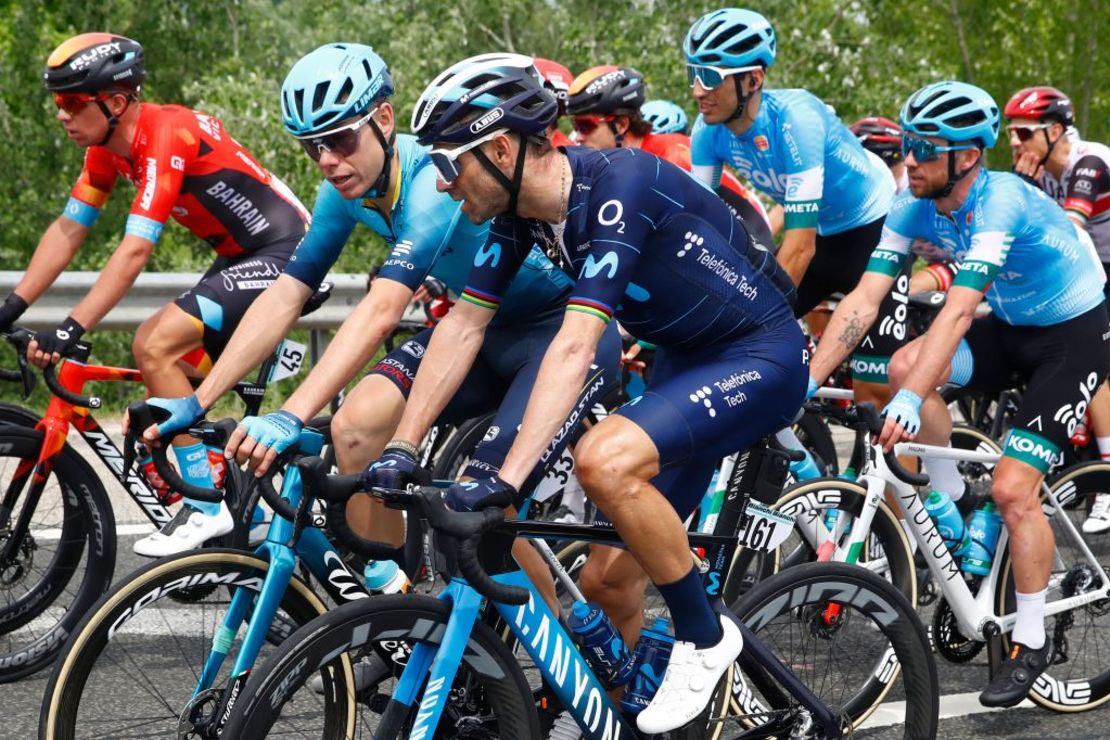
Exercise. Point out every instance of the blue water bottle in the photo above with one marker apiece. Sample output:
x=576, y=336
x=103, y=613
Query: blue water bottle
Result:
x=806, y=468
x=950, y=524
x=984, y=527
x=652, y=653
x=601, y=643
x=385, y=577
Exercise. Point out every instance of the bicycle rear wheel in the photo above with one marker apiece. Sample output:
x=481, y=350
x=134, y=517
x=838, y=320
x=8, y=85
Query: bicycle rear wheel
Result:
x=844, y=633
x=490, y=697
x=132, y=665
x=64, y=558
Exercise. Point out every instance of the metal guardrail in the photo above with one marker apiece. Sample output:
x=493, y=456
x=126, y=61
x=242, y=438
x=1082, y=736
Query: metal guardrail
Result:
x=153, y=290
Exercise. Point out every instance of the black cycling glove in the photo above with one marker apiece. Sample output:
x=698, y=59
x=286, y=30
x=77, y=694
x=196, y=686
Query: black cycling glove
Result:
x=10, y=311
x=62, y=339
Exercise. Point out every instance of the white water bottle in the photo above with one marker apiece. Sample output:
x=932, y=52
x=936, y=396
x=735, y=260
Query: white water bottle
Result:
x=385, y=577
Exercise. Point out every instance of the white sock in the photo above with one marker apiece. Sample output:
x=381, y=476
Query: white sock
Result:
x=909, y=535
x=1104, y=447
x=788, y=439
x=945, y=476
x=1029, y=627
x=574, y=498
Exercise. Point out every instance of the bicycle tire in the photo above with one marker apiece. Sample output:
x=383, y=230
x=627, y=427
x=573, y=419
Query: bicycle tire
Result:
x=804, y=501
x=1070, y=686
x=487, y=661
x=459, y=448
x=83, y=526
x=10, y=413
x=799, y=596
x=100, y=643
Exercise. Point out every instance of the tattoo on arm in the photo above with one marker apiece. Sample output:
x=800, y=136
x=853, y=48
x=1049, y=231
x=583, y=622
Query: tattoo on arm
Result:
x=852, y=333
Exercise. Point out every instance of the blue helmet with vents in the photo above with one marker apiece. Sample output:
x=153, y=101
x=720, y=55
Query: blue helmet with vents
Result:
x=955, y=111
x=665, y=117
x=732, y=38
x=330, y=84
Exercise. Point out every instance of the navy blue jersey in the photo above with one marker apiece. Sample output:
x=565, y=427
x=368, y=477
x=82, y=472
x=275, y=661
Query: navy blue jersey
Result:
x=649, y=244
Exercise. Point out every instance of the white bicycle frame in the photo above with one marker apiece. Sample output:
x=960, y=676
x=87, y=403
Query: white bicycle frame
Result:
x=973, y=612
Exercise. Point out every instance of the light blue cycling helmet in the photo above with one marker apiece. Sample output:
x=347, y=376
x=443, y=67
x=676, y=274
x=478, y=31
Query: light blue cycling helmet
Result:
x=731, y=38
x=334, y=82
x=665, y=117
x=952, y=110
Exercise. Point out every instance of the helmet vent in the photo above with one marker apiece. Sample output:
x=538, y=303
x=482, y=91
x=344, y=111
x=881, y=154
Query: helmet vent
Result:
x=319, y=95
x=345, y=91
x=366, y=67
x=745, y=45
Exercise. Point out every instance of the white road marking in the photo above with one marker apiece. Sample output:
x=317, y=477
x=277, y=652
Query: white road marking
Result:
x=952, y=705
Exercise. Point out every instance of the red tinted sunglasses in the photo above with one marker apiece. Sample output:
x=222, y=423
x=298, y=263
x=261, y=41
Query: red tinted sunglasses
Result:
x=74, y=103
x=586, y=125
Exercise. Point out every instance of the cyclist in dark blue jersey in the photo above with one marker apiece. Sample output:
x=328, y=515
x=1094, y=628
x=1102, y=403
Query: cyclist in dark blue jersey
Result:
x=1048, y=329
x=657, y=250
x=335, y=102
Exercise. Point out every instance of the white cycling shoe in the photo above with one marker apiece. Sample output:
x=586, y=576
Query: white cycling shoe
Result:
x=691, y=677
x=1098, y=520
x=188, y=530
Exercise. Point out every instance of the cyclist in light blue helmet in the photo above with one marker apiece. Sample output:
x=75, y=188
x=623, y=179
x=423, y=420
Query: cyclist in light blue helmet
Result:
x=665, y=117
x=1047, y=330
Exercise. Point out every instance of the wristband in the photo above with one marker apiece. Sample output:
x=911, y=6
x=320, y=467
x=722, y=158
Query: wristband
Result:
x=403, y=446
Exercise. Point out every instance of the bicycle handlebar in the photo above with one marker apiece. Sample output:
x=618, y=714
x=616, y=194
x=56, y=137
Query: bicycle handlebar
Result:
x=336, y=490
x=867, y=414
x=141, y=417
x=19, y=339
x=467, y=527
x=50, y=375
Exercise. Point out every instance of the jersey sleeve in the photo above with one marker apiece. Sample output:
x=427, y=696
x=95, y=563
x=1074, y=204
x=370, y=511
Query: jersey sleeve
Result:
x=325, y=239
x=495, y=264
x=895, y=245
x=98, y=176
x=621, y=215
x=704, y=162
x=429, y=223
x=991, y=237
x=803, y=130
x=160, y=176
x=1089, y=177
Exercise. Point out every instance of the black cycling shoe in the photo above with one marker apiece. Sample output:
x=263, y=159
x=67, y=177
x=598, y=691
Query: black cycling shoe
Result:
x=1016, y=675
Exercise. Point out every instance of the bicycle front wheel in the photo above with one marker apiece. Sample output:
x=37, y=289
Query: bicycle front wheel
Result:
x=131, y=667
x=844, y=632
x=490, y=697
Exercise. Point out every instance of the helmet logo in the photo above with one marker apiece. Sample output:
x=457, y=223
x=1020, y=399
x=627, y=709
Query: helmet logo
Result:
x=601, y=82
x=487, y=120
x=94, y=54
x=1030, y=99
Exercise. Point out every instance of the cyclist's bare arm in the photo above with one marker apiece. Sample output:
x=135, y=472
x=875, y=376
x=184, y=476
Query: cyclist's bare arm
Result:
x=265, y=323
x=450, y=354
x=55, y=250
x=116, y=278
x=797, y=251
x=939, y=344
x=356, y=342
x=849, y=323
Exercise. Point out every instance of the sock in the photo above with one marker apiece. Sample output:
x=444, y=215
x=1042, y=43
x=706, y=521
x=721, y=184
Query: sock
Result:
x=694, y=620
x=1029, y=627
x=193, y=463
x=945, y=476
x=574, y=498
x=1104, y=447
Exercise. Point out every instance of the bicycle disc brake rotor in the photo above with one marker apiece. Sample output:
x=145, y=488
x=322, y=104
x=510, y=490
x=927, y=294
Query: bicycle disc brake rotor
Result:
x=12, y=571
x=198, y=719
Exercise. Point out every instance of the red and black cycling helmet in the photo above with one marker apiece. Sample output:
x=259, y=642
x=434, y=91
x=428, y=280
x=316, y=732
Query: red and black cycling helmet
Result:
x=1041, y=104
x=606, y=90
x=880, y=136
x=556, y=78
x=93, y=63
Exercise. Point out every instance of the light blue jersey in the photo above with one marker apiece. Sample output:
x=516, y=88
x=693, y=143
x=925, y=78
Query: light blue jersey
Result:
x=428, y=235
x=1012, y=242
x=799, y=153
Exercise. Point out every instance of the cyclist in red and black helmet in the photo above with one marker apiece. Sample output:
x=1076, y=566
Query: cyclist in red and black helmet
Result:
x=557, y=79
x=1037, y=110
x=883, y=138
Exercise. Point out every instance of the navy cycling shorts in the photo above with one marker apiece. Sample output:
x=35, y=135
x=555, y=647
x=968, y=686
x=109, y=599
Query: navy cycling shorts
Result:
x=501, y=380
x=702, y=405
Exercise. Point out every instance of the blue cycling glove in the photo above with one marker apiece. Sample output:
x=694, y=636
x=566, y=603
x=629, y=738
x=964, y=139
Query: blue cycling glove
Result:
x=395, y=469
x=183, y=413
x=480, y=494
x=905, y=408
x=811, y=388
x=278, y=430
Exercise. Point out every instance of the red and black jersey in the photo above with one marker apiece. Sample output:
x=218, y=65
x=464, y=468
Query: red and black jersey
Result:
x=1084, y=191
x=184, y=164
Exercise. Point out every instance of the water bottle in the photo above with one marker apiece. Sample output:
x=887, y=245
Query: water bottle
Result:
x=652, y=653
x=984, y=527
x=161, y=489
x=385, y=577
x=711, y=501
x=950, y=524
x=806, y=468
x=601, y=643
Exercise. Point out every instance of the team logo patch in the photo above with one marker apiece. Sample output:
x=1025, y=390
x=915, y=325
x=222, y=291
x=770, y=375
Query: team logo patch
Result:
x=414, y=348
x=968, y=218
x=761, y=143
x=692, y=240
x=702, y=396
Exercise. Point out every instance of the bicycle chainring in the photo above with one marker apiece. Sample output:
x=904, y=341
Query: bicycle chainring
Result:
x=198, y=719
x=948, y=639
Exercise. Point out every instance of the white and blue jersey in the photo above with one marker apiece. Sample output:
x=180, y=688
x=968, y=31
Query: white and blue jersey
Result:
x=427, y=234
x=801, y=155
x=1011, y=241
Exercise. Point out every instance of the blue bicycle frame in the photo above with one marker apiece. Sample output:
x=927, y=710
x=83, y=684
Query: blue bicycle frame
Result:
x=540, y=633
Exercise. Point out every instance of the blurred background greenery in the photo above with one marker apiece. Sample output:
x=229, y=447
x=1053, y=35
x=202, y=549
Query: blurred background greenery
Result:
x=228, y=58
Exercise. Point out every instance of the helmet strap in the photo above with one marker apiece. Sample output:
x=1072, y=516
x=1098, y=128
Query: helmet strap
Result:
x=616, y=134
x=512, y=186
x=381, y=185
x=1050, y=144
x=741, y=98
x=953, y=178
x=113, y=120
